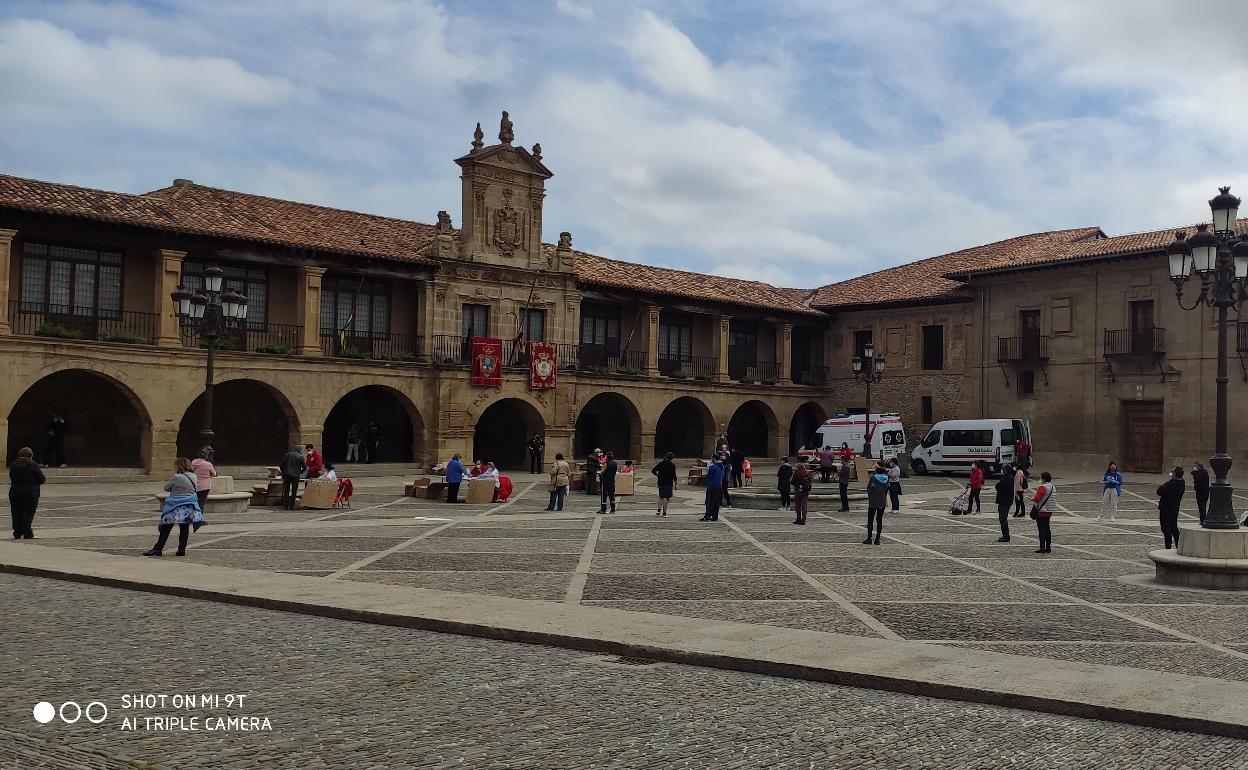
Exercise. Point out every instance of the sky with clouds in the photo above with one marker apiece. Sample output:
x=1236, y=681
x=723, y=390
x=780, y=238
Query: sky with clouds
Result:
x=796, y=142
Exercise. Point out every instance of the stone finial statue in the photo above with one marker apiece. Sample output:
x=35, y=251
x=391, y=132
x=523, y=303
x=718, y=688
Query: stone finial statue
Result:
x=505, y=133
x=477, y=136
x=537, y=151
x=444, y=222
x=565, y=240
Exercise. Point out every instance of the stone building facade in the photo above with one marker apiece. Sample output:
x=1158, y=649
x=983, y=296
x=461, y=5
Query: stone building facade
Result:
x=356, y=318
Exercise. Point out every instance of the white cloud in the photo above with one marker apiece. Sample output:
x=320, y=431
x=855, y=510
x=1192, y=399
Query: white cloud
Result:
x=575, y=10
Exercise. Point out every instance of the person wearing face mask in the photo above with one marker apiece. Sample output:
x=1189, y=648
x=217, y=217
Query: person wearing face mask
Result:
x=1110, y=493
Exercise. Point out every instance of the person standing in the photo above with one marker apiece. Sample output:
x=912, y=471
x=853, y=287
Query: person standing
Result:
x=372, y=438
x=877, y=497
x=714, y=491
x=1171, y=495
x=204, y=472
x=784, y=482
x=826, y=464
x=894, y=484
x=592, y=467
x=353, y=443
x=25, y=478
x=1020, y=484
x=803, y=482
x=977, y=486
x=181, y=507
x=536, y=447
x=1005, y=501
x=727, y=468
x=54, y=444
x=1022, y=453
x=665, y=474
x=1043, y=512
x=842, y=480
x=454, y=477
x=608, y=483
x=1110, y=493
x=314, y=461
x=1200, y=485
x=737, y=459
x=291, y=467
x=560, y=477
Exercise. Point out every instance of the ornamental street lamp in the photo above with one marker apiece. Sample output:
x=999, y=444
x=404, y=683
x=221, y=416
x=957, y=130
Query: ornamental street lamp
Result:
x=869, y=369
x=208, y=315
x=1220, y=260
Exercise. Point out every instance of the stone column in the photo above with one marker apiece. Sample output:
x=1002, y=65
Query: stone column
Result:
x=312, y=434
x=168, y=276
x=784, y=358
x=162, y=445
x=6, y=261
x=721, y=367
x=648, y=450
x=428, y=321
x=309, y=293
x=652, y=340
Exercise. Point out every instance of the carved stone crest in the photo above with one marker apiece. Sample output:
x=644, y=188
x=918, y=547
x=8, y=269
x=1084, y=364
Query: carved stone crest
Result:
x=444, y=222
x=508, y=235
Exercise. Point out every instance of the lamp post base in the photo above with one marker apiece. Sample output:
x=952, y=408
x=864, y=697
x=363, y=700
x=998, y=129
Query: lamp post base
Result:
x=1221, y=513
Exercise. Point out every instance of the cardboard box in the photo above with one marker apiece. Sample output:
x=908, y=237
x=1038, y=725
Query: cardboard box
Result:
x=319, y=494
x=433, y=491
x=481, y=491
x=625, y=483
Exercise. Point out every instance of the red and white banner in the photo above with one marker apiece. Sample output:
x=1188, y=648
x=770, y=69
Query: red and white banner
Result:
x=487, y=362
x=542, y=365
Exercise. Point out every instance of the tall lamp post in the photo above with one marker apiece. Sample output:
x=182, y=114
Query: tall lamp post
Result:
x=1220, y=260
x=208, y=314
x=869, y=369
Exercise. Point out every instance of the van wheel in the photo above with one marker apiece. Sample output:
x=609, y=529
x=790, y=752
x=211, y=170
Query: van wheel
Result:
x=919, y=467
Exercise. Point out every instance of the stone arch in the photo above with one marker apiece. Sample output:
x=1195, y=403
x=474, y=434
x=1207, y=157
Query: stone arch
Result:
x=686, y=428
x=401, y=427
x=754, y=430
x=502, y=431
x=608, y=421
x=107, y=424
x=806, y=421
x=254, y=423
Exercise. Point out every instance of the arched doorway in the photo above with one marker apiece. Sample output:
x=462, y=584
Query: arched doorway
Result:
x=502, y=433
x=400, y=427
x=609, y=422
x=106, y=425
x=804, y=426
x=253, y=422
x=752, y=429
x=685, y=428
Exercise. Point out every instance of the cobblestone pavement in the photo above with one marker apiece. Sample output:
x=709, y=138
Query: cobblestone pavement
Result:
x=349, y=695
x=934, y=578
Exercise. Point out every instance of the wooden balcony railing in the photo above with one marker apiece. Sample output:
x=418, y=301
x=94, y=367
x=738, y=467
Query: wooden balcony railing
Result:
x=1126, y=342
x=77, y=323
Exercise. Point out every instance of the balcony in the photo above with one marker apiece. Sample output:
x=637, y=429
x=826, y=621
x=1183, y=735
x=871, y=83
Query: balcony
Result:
x=696, y=367
x=750, y=371
x=391, y=347
x=282, y=339
x=1135, y=342
x=73, y=323
x=811, y=375
x=1028, y=349
x=1241, y=337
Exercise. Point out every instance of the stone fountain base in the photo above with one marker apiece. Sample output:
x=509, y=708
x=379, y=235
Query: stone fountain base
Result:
x=1206, y=558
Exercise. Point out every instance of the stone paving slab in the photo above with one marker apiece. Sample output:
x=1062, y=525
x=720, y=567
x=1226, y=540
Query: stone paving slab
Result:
x=946, y=589
x=809, y=614
x=553, y=533
x=686, y=564
x=1110, y=591
x=544, y=586
x=997, y=622
x=494, y=545
x=866, y=565
x=1063, y=567
x=680, y=546
x=298, y=543
x=1218, y=624
x=702, y=586
x=1190, y=659
x=472, y=562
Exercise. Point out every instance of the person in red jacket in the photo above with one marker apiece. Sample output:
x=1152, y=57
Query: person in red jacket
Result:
x=977, y=484
x=314, y=461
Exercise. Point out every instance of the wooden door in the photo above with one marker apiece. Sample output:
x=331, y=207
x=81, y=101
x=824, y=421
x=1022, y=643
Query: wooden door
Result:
x=1143, y=436
x=1029, y=335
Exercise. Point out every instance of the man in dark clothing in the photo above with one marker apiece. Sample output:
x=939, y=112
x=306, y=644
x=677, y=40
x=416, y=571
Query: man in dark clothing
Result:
x=536, y=446
x=784, y=481
x=54, y=445
x=1005, y=501
x=714, y=491
x=1171, y=494
x=291, y=467
x=608, y=483
x=1200, y=484
x=842, y=480
x=372, y=437
x=727, y=467
x=591, y=473
x=737, y=458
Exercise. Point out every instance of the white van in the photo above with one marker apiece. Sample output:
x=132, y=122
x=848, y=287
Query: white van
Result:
x=888, y=435
x=953, y=445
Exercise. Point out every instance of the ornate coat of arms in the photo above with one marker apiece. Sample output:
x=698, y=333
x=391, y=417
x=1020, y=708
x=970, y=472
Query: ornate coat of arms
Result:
x=508, y=231
x=543, y=365
x=487, y=365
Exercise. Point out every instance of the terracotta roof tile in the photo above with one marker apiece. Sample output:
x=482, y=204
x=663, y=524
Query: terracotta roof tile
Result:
x=926, y=280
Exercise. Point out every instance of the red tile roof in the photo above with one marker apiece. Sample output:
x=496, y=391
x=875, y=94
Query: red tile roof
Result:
x=926, y=281
x=198, y=210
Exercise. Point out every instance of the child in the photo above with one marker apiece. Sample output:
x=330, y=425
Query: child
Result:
x=628, y=467
x=747, y=469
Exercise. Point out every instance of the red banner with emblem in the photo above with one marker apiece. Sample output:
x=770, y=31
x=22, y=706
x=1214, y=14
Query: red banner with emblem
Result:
x=542, y=365
x=487, y=362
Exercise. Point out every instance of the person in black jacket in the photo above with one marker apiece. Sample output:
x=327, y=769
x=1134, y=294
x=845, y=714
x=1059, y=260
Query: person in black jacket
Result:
x=1200, y=485
x=665, y=475
x=784, y=482
x=25, y=478
x=608, y=483
x=737, y=458
x=372, y=438
x=1005, y=501
x=1171, y=494
x=54, y=445
x=292, y=467
x=591, y=472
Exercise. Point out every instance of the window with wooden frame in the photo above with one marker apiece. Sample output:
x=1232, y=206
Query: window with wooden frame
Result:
x=252, y=281
x=71, y=281
x=360, y=307
x=474, y=321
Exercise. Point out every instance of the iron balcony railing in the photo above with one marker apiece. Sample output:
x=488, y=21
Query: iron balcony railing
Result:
x=450, y=350
x=600, y=359
x=1025, y=349
x=1125, y=342
x=1241, y=337
x=264, y=338
x=391, y=347
x=743, y=369
x=697, y=367
x=80, y=323
x=811, y=375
